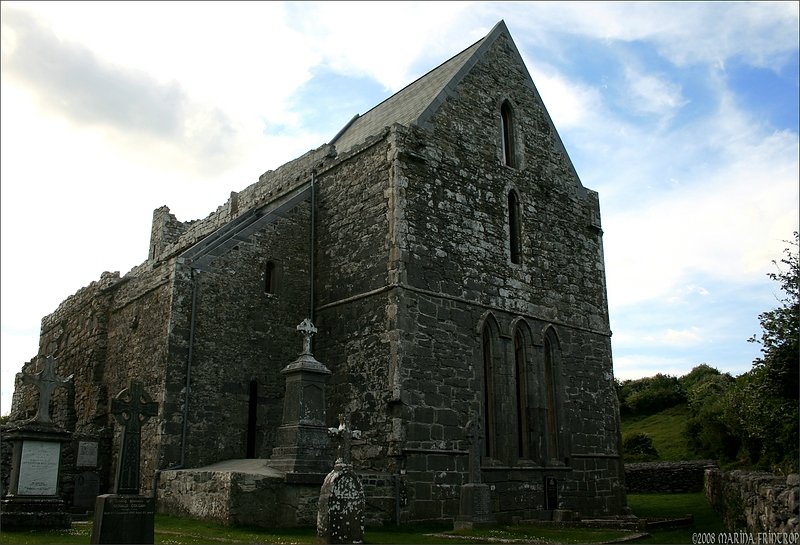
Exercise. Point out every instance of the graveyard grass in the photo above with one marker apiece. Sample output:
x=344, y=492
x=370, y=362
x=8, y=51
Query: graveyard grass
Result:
x=173, y=530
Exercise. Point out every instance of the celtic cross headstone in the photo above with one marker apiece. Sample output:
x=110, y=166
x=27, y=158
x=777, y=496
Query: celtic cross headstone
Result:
x=132, y=407
x=125, y=516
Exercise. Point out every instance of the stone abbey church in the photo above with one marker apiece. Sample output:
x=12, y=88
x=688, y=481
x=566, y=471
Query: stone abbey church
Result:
x=452, y=262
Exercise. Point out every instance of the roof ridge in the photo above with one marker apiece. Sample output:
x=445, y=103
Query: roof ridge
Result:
x=405, y=107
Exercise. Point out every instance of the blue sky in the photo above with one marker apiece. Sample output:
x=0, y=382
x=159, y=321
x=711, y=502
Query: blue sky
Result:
x=683, y=116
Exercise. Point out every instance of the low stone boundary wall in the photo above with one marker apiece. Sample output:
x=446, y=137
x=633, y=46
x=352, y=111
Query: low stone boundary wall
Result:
x=666, y=477
x=757, y=501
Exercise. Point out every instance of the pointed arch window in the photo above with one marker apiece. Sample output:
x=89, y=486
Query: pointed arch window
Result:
x=507, y=135
x=489, y=442
x=551, y=424
x=514, y=227
x=521, y=391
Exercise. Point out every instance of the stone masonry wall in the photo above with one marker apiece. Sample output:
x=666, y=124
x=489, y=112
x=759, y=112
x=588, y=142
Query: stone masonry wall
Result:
x=666, y=477
x=756, y=501
x=456, y=275
x=241, y=334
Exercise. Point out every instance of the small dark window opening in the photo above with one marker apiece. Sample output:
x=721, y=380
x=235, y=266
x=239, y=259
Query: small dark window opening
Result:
x=507, y=129
x=269, y=277
x=252, y=416
x=515, y=234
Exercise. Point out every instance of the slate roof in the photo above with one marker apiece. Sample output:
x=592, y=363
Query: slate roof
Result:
x=416, y=102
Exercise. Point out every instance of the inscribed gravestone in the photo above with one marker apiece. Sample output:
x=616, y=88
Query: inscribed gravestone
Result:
x=38, y=471
x=126, y=517
x=87, y=454
x=33, y=500
x=340, y=515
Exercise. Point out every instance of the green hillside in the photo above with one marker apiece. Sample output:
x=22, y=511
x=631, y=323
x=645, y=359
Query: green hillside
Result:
x=666, y=429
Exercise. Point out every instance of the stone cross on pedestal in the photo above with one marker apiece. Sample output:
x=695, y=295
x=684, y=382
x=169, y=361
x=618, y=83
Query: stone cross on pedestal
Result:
x=46, y=381
x=475, y=498
x=344, y=438
x=132, y=407
x=307, y=329
x=475, y=442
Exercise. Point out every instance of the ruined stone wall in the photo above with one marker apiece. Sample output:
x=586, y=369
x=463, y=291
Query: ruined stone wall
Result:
x=241, y=333
x=756, y=501
x=107, y=333
x=170, y=237
x=666, y=477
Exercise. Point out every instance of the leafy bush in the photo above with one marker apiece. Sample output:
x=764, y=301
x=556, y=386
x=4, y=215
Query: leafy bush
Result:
x=638, y=447
x=649, y=395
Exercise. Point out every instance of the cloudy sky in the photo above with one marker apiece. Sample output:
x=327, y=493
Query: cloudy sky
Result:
x=683, y=116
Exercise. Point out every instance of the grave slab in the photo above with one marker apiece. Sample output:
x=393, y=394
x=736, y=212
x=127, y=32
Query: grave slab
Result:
x=122, y=518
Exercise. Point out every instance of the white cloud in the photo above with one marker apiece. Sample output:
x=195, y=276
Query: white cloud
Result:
x=685, y=33
x=653, y=94
x=569, y=103
x=635, y=366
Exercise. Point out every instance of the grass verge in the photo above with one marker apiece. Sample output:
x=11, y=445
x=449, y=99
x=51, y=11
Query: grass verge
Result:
x=173, y=530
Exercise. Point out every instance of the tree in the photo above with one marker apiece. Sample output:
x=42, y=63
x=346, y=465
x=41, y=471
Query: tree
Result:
x=763, y=404
x=649, y=395
x=780, y=337
x=707, y=432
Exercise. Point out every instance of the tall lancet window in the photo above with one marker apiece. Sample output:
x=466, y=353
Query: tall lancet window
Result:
x=514, y=229
x=550, y=347
x=489, y=443
x=507, y=129
x=523, y=450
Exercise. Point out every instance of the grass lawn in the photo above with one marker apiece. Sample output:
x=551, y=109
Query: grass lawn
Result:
x=659, y=506
x=173, y=530
x=666, y=429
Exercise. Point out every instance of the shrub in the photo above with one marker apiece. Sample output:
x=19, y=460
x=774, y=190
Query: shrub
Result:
x=638, y=447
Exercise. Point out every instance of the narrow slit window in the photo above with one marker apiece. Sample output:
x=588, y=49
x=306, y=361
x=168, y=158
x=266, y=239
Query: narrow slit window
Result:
x=507, y=129
x=269, y=277
x=252, y=417
x=515, y=232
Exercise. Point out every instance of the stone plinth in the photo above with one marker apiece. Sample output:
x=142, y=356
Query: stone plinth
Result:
x=475, y=507
x=303, y=445
x=33, y=499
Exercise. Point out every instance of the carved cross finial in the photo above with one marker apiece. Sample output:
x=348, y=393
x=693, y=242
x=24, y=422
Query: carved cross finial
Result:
x=307, y=329
x=46, y=381
x=344, y=437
